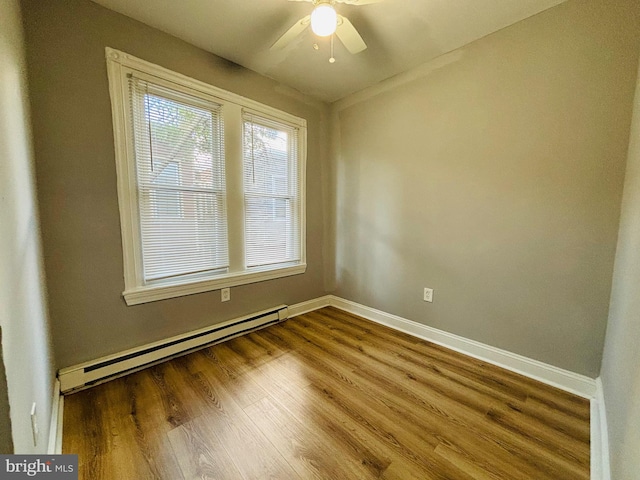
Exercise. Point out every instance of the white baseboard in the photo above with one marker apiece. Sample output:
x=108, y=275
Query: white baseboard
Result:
x=554, y=376
x=55, y=426
x=310, y=305
x=600, y=468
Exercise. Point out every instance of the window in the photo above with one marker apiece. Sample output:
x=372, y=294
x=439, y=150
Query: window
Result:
x=177, y=144
x=210, y=184
x=271, y=192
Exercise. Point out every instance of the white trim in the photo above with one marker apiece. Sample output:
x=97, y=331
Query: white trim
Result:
x=55, y=424
x=600, y=467
x=58, y=442
x=121, y=363
x=309, y=305
x=136, y=291
x=151, y=293
x=149, y=68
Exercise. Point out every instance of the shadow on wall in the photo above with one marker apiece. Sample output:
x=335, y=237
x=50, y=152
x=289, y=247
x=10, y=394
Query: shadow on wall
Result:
x=6, y=442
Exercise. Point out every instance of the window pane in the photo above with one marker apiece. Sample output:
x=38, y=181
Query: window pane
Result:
x=266, y=159
x=184, y=135
x=272, y=233
x=269, y=235
x=168, y=203
x=180, y=173
x=187, y=243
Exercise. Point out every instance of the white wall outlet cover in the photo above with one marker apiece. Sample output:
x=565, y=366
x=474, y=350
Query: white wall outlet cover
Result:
x=428, y=294
x=225, y=294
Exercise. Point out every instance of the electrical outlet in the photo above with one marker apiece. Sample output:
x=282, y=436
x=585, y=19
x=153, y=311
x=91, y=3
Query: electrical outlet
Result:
x=34, y=424
x=225, y=294
x=428, y=294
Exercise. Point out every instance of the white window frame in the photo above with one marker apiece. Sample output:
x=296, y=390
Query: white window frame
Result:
x=119, y=66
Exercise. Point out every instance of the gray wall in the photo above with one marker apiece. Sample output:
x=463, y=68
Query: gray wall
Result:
x=496, y=179
x=77, y=180
x=621, y=362
x=23, y=313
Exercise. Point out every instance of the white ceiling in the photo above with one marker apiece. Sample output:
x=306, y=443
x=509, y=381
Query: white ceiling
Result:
x=400, y=34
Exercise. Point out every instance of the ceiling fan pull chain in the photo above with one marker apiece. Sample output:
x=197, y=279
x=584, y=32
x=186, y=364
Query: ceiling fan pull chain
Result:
x=332, y=58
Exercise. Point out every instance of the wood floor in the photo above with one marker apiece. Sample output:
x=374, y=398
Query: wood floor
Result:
x=327, y=395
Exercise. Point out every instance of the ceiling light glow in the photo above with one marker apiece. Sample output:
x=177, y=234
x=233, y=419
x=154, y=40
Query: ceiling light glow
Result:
x=324, y=20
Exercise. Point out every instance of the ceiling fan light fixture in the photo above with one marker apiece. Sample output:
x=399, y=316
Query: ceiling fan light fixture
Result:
x=324, y=20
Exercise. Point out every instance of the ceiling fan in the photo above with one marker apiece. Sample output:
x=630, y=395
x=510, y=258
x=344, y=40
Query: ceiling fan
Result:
x=324, y=22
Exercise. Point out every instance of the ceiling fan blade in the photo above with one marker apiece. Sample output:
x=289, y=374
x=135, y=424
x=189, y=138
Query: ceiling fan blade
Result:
x=352, y=2
x=348, y=35
x=292, y=33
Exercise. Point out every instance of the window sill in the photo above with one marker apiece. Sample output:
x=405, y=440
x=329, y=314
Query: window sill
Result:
x=152, y=293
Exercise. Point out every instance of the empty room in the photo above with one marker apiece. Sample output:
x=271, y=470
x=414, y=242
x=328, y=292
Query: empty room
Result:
x=342, y=239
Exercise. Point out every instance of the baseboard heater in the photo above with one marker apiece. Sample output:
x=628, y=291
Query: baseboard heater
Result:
x=106, y=368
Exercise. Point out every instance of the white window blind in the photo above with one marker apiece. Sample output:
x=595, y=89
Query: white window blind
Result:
x=179, y=159
x=271, y=191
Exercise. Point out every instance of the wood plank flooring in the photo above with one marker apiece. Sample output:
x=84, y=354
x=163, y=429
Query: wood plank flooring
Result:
x=327, y=395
